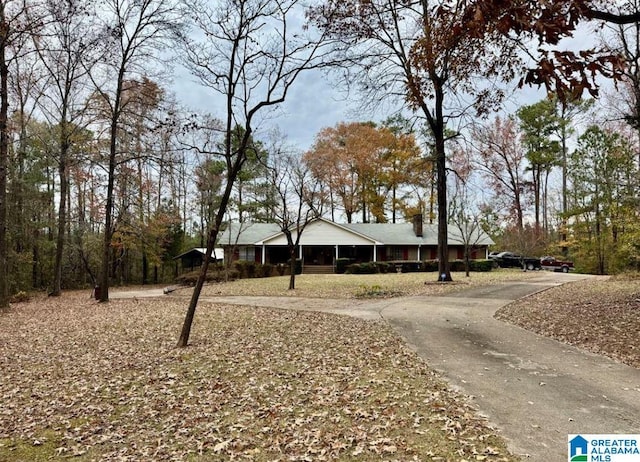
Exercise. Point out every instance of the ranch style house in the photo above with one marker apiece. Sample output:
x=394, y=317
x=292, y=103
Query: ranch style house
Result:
x=323, y=241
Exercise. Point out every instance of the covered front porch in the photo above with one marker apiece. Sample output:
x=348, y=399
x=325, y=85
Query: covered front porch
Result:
x=315, y=256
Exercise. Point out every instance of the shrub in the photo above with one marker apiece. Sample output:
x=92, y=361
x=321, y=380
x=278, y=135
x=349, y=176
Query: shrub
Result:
x=341, y=265
x=430, y=265
x=481, y=265
x=456, y=265
x=247, y=269
x=298, y=265
x=20, y=297
x=385, y=267
x=474, y=265
x=406, y=266
x=218, y=274
x=362, y=268
x=264, y=270
x=240, y=268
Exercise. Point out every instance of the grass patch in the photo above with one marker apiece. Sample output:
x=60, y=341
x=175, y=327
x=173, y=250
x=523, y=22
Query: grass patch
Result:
x=345, y=286
x=375, y=291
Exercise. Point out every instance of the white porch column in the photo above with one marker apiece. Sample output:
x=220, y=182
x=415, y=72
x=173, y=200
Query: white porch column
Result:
x=375, y=253
x=336, y=251
x=300, y=252
x=264, y=254
x=419, y=252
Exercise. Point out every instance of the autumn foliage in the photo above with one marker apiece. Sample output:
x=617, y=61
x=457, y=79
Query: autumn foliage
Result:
x=540, y=27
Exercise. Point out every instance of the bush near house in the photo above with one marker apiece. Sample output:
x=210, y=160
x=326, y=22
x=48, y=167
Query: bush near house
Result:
x=430, y=265
x=474, y=265
x=408, y=266
x=385, y=267
x=362, y=268
x=216, y=273
x=405, y=266
x=251, y=269
x=341, y=265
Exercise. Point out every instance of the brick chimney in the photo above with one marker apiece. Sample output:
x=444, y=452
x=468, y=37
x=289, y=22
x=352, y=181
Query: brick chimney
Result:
x=417, y=225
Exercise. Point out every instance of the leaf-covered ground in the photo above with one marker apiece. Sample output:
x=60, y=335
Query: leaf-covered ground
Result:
x=92, y=381
x=602, y=316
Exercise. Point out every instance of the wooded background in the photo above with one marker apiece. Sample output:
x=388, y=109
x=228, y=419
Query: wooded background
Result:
x=105, y=177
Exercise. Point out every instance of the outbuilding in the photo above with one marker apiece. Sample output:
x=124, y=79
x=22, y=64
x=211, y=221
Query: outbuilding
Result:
x=192, y=259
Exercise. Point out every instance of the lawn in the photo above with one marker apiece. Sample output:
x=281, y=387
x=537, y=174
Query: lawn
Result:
x=357, y=285
x=90, y=381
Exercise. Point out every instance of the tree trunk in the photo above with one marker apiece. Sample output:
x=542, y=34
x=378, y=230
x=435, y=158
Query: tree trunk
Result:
x=536, y=195
x=444, y=273
x=145, y=268
x=292, y=267
x=393, y=204
x=111, y=173
x=108, y=234
x=35, y=265
x=183, y=341
x=62, y=208
x=232, y=174
x=4, y=154
x=565, y=249
x=467, y=260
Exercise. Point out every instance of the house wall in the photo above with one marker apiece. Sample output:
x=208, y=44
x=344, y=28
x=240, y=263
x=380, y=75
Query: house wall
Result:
x=321, y=233
x=242, y=252
x=428, y=253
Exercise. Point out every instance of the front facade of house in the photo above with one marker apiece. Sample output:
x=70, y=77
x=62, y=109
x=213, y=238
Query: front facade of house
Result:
x=324, y=241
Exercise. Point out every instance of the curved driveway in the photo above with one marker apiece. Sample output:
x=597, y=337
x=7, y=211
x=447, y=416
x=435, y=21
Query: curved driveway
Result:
x=534, y=390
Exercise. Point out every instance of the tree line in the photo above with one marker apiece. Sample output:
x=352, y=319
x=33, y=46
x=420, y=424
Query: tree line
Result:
x=97, y=159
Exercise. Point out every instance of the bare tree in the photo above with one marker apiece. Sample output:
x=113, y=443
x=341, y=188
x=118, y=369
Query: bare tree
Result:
x=464, y=216
x=299, y=200
x=133, y=30
x=502, y=162
x=18, y=20
x=65, y=51
x=250, y=53
x=411, y=51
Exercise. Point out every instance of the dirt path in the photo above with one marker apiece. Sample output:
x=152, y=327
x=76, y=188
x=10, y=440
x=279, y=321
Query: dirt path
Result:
x=535, y=390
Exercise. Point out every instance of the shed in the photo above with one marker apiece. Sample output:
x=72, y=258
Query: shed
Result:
x=192, y=259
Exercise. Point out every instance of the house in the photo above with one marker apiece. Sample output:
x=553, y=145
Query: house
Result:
x=323, y=241
x=192, y=259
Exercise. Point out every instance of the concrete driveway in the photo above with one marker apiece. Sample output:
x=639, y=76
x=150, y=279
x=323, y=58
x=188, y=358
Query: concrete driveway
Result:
x=534, y=390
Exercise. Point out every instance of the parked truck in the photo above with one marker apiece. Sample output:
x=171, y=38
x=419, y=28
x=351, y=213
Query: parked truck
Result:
x=553, y=264
x=514, y=260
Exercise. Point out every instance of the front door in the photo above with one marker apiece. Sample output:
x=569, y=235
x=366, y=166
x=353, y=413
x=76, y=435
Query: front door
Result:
x=320, y=255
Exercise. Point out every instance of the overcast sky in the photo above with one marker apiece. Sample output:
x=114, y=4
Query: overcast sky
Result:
x=316, y=102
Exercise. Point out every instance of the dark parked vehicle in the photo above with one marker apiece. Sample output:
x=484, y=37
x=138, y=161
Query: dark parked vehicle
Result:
x=553, y=264
x=514, y=260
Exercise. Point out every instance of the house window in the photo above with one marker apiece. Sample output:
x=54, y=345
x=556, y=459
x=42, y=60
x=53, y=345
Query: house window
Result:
x=397, y=253
x=247, y=253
